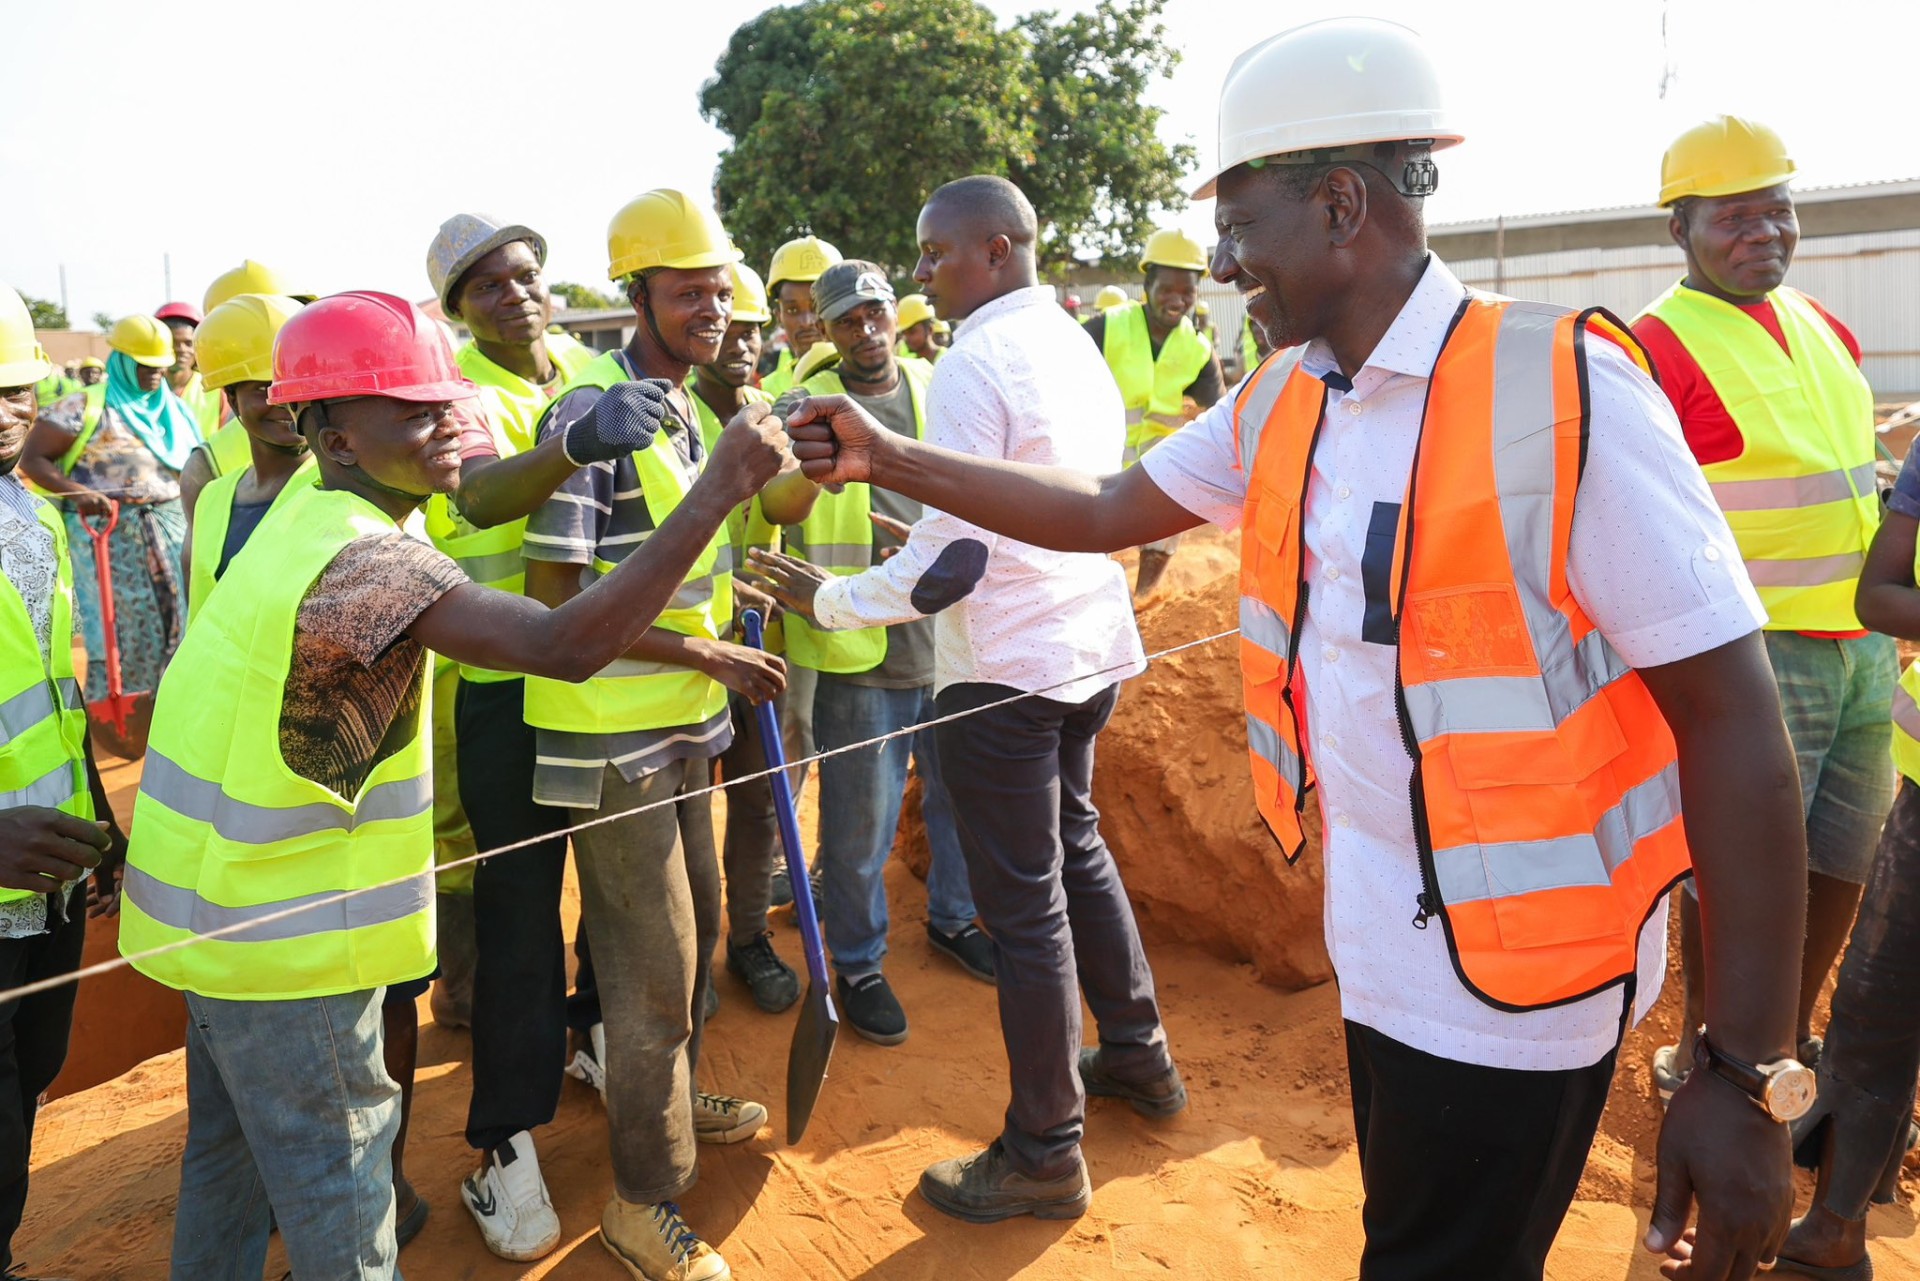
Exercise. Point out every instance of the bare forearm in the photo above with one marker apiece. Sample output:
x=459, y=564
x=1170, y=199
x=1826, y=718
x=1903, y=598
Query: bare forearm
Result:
x=1052, y=507
x=46, y=473
x=497, y=490
x=1740, y=793
x=1886, y=600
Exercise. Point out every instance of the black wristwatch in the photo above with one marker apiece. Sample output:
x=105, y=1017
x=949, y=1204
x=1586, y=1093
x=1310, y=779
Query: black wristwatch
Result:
x=1783, y=1089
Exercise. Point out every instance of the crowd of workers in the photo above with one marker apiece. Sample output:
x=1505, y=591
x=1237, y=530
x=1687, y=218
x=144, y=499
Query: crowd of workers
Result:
x=397, y=603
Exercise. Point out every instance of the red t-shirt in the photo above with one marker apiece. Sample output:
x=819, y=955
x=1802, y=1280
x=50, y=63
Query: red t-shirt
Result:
x=1710, y=430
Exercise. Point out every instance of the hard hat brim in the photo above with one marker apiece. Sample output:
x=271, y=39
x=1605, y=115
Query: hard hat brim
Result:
x=692, y=262
x=1686, y=188
x=151, y=362
x=25, y=373
x=301, y=391
x=752, y=317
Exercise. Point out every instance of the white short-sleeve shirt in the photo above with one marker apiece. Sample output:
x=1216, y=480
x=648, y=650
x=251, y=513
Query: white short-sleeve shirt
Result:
x=1652, y=562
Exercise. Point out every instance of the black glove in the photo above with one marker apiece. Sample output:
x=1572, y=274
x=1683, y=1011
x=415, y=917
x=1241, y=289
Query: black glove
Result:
x=621, y=422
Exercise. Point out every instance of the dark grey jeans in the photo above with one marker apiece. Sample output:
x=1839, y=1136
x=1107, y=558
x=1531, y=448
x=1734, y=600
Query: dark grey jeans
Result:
x=650, y=896
x=753, y=828
x=1021, y=781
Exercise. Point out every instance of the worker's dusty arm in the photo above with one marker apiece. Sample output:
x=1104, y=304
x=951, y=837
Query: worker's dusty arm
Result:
x=1740, y=794
x=1886, y=600
x=588, y=629
x=47, y=444
x=496, y=490
x=1054, y=507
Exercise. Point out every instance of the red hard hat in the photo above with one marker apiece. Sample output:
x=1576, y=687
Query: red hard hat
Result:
x=364, y=344
x=1073, y=302
x=180, y=311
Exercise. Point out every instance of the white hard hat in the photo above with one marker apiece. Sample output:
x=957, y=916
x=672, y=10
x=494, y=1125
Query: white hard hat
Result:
x=1329, y=84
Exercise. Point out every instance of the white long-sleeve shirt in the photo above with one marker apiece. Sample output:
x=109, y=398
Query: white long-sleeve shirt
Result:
x=1020, y=382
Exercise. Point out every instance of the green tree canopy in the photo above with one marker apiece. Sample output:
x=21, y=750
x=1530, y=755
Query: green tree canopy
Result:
x=46, y=315
x=845, y=115
x=584, y=297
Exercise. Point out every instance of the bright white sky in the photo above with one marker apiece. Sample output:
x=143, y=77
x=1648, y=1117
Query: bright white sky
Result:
x=329, y=140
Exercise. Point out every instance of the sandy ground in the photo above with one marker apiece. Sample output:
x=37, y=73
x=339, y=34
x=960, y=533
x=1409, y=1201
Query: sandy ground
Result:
x=1258, y=1178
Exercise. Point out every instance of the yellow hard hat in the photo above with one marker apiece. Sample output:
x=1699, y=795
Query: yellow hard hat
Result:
x=234, y=344
x=666, y=228
x=249, y=277
x=749, y=296
x=1723, y=157
x=818, y=357
x=804, y=260
x=913, y=309
x=23, y=361
x=143, y=340
x=1171, y=247
x=1109, y=297
x=92, y=362
x=1201, y=309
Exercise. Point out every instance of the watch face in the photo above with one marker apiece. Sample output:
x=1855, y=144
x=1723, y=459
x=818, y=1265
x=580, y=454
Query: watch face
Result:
x=1790, y=1092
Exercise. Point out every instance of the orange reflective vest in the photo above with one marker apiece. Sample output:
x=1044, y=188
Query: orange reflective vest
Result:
x=1545, y=786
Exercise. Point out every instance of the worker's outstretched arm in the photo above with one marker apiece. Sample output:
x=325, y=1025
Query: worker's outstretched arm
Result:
x=1055, y=507
x=47, y=444
x=498, y=630
x=494, y=491
x=1740, y=793
x=1886, y=600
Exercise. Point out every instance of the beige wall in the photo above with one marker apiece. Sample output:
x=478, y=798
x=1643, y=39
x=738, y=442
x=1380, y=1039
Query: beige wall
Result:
x=71, y=344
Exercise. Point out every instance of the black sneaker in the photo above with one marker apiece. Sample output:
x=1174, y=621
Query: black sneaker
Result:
x=772, y=981
x=868, y=1005
x=1157, y=1097
x=782, y=886
x=970, y=949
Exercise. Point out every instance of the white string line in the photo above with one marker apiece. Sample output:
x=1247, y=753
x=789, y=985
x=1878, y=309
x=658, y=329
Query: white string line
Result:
x=241, y=927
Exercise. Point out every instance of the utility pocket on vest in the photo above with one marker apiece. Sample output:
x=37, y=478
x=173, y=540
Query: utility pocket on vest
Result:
x=1474, y=630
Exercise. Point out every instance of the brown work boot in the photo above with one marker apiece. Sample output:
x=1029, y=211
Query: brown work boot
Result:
x=657, y=1245
x=985, y=1188
x=1157, y=1097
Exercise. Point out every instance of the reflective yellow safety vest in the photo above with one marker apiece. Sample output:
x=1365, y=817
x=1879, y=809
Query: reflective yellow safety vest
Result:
x=205, y=404
x=1545, y=791
x=43, y=719
x=1153, y=387
x=782, y=376
x=747, y=526
x=491, y=557
x=224, y=833
x=54, y=388
x=213, y=514
x=1249, y=349
x=837, y=536
x=632, y=694
x=1801, y=496
x=228, y=449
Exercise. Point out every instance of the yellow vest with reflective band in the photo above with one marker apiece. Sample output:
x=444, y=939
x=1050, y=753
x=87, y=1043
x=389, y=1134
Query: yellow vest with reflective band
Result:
x=491, y=557
x=1801, y=497
x=1545, y=789
x=43, y=719
x=782, y=376
x=1153, y=387
x=89, y=422
x=837, y=536
x=54, y=388
x=224, y=833
x=212, y=515
x=629, y=693
x=205, y=405
x=228, y=449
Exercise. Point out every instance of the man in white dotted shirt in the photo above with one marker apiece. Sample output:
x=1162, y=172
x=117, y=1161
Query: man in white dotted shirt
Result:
x=1021, y=381
x=1490, y=609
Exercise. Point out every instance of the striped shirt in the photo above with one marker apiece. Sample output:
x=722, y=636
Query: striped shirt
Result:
x=601, y=511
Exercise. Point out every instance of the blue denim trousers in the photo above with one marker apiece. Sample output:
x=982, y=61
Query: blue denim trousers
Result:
x=289, y=1105
x=860, y=796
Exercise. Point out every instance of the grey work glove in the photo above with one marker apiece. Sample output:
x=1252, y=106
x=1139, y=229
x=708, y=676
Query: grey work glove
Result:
x=623, y=421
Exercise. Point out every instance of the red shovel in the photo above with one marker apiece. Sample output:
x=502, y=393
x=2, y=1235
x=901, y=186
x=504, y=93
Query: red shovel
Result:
x=118, y=704
x=818, y=1025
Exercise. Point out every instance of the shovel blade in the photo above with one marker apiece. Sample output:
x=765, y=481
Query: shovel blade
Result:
x=813, y=1037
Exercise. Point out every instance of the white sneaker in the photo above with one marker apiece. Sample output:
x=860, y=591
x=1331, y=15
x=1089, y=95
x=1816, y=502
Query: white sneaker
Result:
x=508, y=1199
x=721, y=1118
x=590, y=1064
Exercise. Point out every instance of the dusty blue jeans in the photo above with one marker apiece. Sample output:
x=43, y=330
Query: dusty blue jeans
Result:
x=289, y=1105
x=860, y=795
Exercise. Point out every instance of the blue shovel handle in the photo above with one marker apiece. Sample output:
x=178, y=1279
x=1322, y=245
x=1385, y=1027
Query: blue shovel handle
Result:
x=776, y=755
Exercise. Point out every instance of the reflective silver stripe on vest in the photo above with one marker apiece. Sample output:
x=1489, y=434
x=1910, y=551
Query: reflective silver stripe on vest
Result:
x=1473, y=873
x=1136, y=416
x=852, y=556
x=25, y=710
x=492, y=567
x=1264, y=739
x=1906, y=713
x=52, y=789
x=183, y=909
x=248, y=824
x=1782, y=493
x=69, y=692
x=1262, y=625
x=1254, y=413
x=1815, y=571
x=1510, y=704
